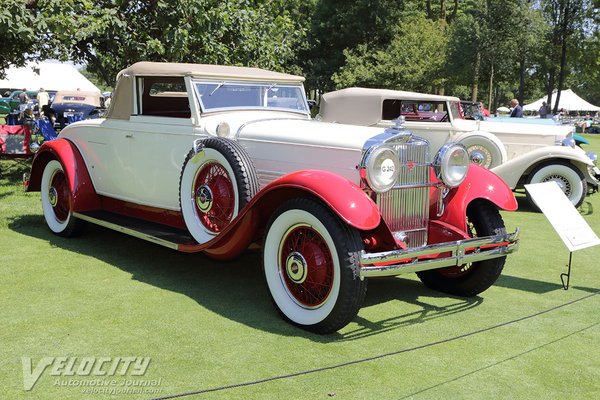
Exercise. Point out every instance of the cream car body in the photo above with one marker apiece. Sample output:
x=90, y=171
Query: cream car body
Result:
x=204, y=158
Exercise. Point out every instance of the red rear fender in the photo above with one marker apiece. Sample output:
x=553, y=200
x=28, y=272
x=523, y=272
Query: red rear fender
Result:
x=84, y=195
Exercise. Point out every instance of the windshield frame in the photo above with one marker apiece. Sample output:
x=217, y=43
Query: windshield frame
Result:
x=219, y=84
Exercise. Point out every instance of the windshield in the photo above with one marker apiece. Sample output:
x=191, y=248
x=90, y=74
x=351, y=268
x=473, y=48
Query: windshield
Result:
x=219, y=95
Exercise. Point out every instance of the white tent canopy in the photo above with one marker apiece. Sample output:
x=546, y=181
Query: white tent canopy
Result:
x=47, y=75
x=568, y=100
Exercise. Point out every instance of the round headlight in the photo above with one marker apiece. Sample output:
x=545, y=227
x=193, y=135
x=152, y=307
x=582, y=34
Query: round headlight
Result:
x=451, y=164
x=34, y=147
x=382, y=168
x=568, y=142
x=592, y=156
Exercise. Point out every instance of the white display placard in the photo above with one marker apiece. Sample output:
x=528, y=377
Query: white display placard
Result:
x=563, y=216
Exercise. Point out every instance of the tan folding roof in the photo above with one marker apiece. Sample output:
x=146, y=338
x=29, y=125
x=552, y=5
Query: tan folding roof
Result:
x=147, y=68
x=77, y=96
x=362, y=106
x=121, y=105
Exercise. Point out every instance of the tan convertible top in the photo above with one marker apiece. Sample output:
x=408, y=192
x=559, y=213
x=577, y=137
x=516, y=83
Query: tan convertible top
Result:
x=121, y=106
x=77, y=96
x=362, y=106
x=147, y=68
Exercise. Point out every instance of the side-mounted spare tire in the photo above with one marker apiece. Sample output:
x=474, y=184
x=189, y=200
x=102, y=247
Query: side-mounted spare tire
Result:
x=484, y=149
x=216, y=183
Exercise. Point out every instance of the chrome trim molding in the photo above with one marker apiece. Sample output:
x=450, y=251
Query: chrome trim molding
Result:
x=457, y=257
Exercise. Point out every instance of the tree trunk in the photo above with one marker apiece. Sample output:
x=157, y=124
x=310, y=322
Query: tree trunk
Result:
x=521, y=94
x=551, y=74
x=563, y=51
x=476, y=68
x=490, y=89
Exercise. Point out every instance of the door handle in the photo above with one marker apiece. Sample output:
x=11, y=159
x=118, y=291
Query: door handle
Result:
x=129, y=136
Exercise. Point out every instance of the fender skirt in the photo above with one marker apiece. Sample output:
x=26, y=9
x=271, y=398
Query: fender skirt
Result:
x=480, y=183
x=84, y=194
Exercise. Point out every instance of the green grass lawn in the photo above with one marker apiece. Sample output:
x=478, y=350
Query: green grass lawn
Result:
x=207, y=324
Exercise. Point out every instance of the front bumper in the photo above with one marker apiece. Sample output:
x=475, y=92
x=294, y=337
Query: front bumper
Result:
x=396, y=262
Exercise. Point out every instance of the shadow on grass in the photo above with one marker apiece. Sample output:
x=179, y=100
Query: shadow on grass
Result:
x=12, y=170
x=236, y=290
x=534, y=286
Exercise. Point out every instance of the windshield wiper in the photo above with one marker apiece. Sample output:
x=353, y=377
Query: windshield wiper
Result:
x=217, y=88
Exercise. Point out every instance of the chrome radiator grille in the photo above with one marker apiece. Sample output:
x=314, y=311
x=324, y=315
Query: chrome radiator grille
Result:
x=405, y=208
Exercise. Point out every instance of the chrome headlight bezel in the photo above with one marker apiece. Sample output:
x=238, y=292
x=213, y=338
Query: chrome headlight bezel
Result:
x=451, y=164
x=382, y=166
x=592, y=156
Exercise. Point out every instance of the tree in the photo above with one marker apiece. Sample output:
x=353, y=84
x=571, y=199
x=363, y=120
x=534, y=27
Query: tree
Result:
x=18, y=30
x=109, y=35
x=413, y=60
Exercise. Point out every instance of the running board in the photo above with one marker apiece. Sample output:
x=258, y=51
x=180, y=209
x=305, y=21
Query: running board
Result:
x=160, y=234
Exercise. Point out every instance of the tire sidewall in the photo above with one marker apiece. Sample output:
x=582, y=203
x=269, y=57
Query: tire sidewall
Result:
x=188, y=208
x=574, y=178
x=279, y=292
x=53, y=223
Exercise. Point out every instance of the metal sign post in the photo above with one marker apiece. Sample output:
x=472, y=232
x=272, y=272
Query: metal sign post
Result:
x=574, y=231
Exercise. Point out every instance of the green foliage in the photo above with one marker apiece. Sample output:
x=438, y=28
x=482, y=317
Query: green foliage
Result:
x=110, y=35
x=413, y=60
x=18, y=32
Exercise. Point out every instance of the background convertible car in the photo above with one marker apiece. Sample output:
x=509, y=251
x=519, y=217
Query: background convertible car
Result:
x=519, y=153
x=213, y=158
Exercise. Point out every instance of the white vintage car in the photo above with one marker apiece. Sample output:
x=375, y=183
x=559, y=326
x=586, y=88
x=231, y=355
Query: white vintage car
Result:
x=204, y=158
x=519, y=153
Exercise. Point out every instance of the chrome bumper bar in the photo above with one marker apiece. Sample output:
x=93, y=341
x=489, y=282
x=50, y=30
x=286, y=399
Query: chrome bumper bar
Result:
x=481, y=248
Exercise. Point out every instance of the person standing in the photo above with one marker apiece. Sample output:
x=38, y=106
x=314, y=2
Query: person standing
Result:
x=43, y=98
x=543, y=110
x=23, y=98
x=517, y=110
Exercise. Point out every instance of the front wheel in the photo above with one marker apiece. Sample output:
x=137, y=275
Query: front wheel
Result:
x=57, y=202
x=310, y=266
x=483, y=219
x=570, y=179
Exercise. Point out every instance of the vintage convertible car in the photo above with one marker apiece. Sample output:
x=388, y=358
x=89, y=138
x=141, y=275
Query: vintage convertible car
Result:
x=214, y=158
x=71, y=106
x=519, y=153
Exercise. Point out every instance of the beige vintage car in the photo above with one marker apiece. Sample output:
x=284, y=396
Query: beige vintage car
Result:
x=519, y=153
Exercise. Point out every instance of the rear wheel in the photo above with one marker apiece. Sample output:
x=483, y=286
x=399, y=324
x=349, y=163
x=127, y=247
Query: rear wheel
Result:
x=483, y=219
x=57, y=202
x=309, y=266
x=569, y=179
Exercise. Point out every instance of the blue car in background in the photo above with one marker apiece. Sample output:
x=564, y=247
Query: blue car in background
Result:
x=72, y=106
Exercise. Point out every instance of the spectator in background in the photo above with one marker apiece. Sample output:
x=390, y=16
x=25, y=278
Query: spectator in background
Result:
x=543, y=110
x=43, y=98
x=23, y=98
x=517, y=110
x=586, y=123
x=484, y=111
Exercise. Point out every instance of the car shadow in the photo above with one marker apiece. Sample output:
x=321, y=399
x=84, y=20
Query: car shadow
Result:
x=236, y=289
x=535, y=286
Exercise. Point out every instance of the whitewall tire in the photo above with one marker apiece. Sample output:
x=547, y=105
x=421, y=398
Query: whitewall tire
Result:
x=215, y=184
x=569, y=179
x=57, y=201
x=308, y=266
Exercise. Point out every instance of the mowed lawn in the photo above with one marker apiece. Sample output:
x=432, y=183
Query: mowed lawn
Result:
x=207, y=324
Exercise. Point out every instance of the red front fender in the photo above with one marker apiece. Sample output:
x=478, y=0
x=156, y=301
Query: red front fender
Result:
x=84, y=194
x=344, y=198
x=480, y=183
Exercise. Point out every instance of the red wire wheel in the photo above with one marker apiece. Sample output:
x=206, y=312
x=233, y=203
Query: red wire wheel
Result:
x=214, y=197
x=59, y=196
x=306, y=266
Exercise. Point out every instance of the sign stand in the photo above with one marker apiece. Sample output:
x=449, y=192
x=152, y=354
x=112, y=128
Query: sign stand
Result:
x=570, y=226
x=568, y=274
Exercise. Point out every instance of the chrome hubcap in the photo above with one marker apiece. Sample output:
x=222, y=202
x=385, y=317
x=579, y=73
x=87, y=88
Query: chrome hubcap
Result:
x=204, y=198
x=295, y=266
x=477, y=157
x=53, y=196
